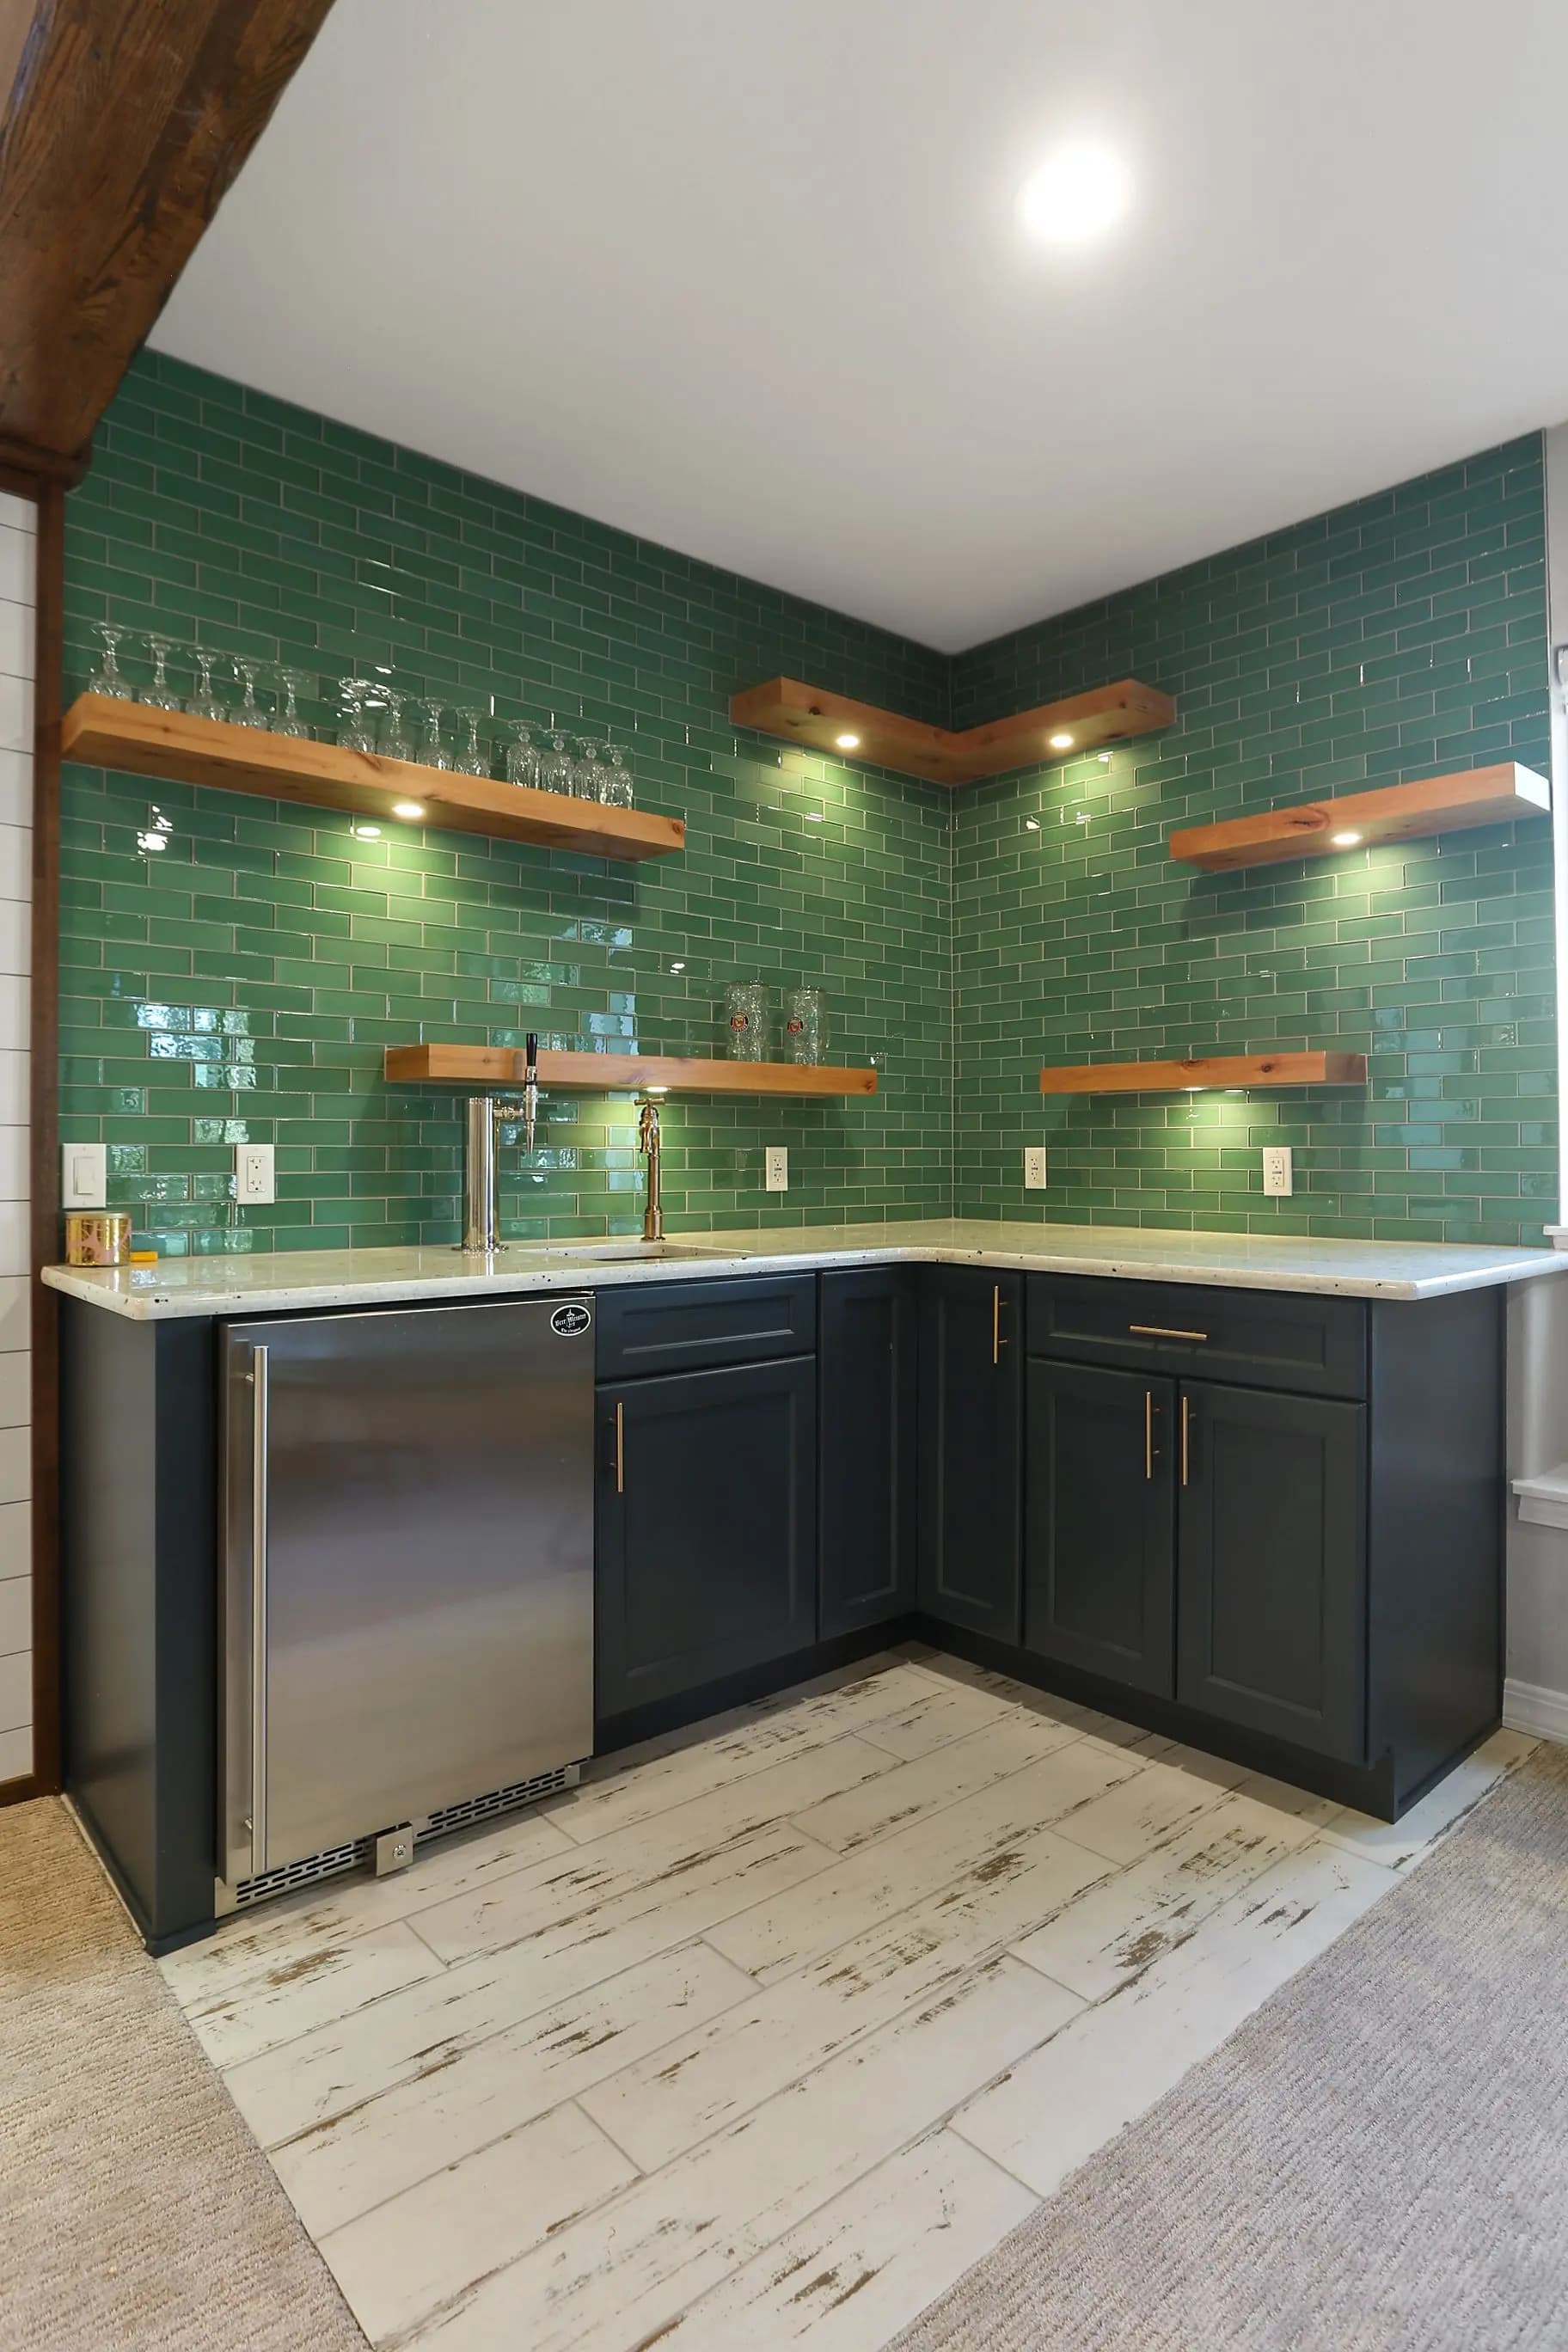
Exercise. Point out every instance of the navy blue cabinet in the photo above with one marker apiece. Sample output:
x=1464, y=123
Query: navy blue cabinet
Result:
x=706, y=1528
x=868, y=1392
x=972, y=1390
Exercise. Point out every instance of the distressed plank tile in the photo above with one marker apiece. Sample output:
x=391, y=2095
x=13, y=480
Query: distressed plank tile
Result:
x=1130, y=1820
x=612, y=2281
x=463, y=2096
x=333, y=1981
x=402, y=2262
x=859, y=2269
x=1396, y=1844
x=1113, y=2061
x=663, y=1847
x=582, y=1936
x=934, y=1719
x=878, y=1881
x=1088, y=1720
x=1128, y=1921
x=684, y=1765
x=665, y=2103
x=248, y=1948
x=910, y=1792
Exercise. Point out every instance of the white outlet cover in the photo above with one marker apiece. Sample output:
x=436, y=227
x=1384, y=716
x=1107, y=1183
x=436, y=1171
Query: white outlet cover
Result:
x=253, y=1174
x=1278, y=1179
x=1034, y=1168
x=776, y=1168
x=84, y=1175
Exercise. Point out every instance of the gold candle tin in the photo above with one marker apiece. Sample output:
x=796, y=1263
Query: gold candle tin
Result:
x=97, y=1237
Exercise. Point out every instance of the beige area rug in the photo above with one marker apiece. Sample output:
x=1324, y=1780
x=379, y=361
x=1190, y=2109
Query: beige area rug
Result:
x=136, y=2212
x=1376, y=2162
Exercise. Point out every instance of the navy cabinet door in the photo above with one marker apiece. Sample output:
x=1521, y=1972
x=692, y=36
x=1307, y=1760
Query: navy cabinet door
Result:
x=1099, y=1533
x=1271, y=1595
x=866, y=1372
x=971, y=1385
x=706, y=1528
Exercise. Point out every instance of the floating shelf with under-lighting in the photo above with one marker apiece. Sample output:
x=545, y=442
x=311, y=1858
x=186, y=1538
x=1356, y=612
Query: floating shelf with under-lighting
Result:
x=147, y=741
x=1398, y=813
x=1201, y=1073
x=810, y=715
x=502, y=1065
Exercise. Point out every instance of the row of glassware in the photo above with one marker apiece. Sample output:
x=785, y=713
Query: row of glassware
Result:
x=370, y=716
x=748, y=1023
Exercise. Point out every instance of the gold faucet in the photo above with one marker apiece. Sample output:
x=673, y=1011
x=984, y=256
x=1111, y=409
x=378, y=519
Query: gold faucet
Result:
x=648, y=1142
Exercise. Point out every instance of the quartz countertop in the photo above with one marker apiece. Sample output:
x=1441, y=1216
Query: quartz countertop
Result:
x=269, y=1281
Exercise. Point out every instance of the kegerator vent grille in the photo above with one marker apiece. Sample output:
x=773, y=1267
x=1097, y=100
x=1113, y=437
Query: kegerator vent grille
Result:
x=328, y=1864
x=499, y=1801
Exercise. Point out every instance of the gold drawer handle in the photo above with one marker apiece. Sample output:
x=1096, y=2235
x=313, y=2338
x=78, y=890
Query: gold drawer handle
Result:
x=620, y=1449
x=1159, y=1331
x=1148, y=1434
x=1186, y=1433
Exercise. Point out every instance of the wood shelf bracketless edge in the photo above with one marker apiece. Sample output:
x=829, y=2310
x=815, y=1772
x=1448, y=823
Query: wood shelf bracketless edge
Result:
x=1449, y=803
x=810, y=715
x=1202, y=1072
x=171, y=744
x=502, y=1065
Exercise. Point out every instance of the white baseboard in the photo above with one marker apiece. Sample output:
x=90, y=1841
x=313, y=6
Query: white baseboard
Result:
x=1532, y=1708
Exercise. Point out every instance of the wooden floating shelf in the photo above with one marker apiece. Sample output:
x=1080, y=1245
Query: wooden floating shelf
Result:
x=502, y=1065
x=1202, y=1073
x=1397, y=812
x=172, y=744
x=944, y=755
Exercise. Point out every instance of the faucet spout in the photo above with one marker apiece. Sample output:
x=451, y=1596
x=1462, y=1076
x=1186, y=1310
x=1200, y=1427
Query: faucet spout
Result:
x=648, y=1144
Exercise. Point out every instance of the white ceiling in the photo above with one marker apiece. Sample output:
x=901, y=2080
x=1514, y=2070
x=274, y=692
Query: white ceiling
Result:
x=744, y=275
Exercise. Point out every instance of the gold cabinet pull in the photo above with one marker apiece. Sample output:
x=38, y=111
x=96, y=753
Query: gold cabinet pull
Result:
x=1147, y=1432
x=1161, y=1331
x=620, y=1450
x=1186, y=1422
x=997, y=1341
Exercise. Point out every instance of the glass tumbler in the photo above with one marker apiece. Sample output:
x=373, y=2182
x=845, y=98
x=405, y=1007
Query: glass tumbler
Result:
x=746, y=1020
x=803, y=1024
x=616, y=778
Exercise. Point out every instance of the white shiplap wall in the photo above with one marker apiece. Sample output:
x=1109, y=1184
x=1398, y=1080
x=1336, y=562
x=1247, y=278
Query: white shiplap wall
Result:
x=18, y=520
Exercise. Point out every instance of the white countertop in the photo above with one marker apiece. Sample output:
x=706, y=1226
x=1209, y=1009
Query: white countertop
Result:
x=271, y=1280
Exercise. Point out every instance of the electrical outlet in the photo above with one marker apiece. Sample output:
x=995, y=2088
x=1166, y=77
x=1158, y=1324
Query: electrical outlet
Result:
x=1276, y=1177
x=1034, y=1167
x=253, y=1177
x=84, y=1175
x=775, y=1165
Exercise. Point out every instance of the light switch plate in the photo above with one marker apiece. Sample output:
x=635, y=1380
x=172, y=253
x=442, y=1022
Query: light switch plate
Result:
x=84, y=1175
x=776, y=1166
x=1034, y=1167
x=1277, y=1176
x=253, y=1177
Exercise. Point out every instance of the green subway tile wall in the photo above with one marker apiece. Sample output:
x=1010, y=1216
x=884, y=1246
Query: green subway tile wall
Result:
x=240, y=979
x=233, y=968
x=1395, y=638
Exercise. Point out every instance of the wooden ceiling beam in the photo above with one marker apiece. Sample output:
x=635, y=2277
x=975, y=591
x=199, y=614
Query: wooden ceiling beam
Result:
x=122, y=128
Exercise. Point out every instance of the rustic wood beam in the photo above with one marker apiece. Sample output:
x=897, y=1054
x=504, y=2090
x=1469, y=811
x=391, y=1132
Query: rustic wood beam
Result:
x=122, y=126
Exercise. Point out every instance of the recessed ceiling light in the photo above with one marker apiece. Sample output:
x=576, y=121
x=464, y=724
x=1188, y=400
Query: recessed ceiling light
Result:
x=1344, y=840
x=1076, y=195
x=366, y=832
x=848, y=742
x=408, y=808
x=1060, y=742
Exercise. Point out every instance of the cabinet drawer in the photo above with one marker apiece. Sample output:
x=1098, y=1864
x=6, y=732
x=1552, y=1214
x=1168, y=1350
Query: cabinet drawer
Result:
x=677, y=1327
x=1260, y=1339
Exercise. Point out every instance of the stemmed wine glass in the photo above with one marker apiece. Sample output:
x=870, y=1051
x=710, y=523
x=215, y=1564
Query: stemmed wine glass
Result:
x=559, y=770
x=357, y=732
x=585, y=770
x=160, y=694
x=431, y=752
x=475, y=761
x=250, y=713
x=524, y=758
x=293, y=683
x=107, y=679
x=205, y=703
x=395, y=742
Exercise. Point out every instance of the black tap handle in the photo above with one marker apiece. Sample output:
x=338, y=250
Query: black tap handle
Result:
x=532, y=1046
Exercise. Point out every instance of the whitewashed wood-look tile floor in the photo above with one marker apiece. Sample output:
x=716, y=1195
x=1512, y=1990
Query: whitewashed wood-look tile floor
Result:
x=768, y=2031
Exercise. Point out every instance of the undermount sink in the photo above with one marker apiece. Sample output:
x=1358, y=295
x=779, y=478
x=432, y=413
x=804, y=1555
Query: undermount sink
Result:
x=615, y=1252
